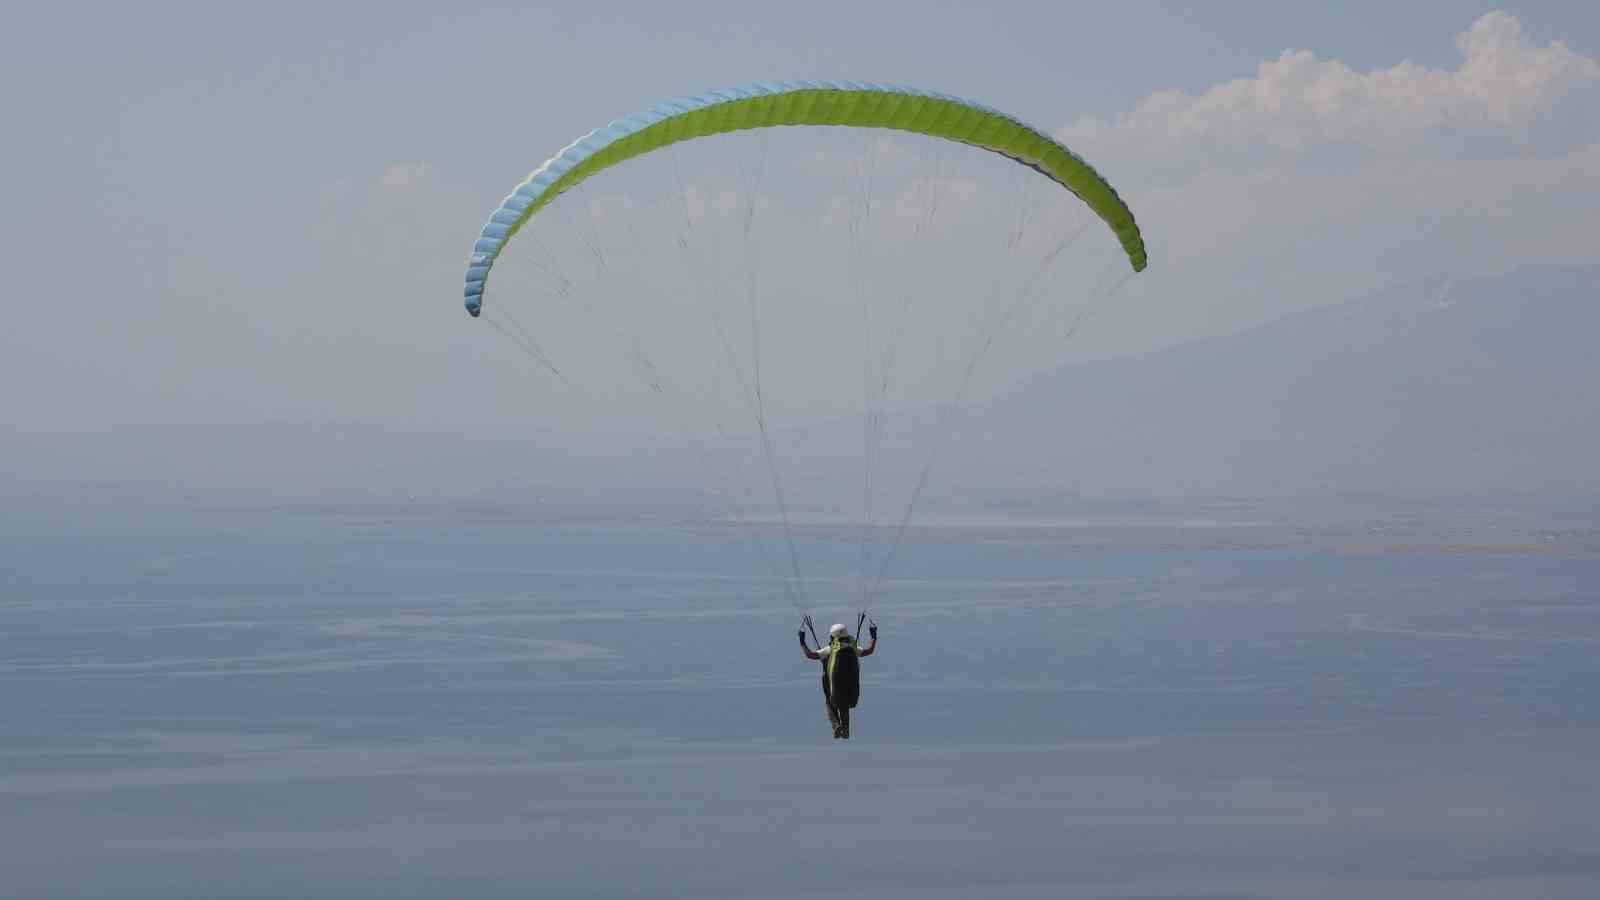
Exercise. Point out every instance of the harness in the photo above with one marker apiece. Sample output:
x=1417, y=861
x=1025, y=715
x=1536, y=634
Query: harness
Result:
x=835, y=646
x=847, y=691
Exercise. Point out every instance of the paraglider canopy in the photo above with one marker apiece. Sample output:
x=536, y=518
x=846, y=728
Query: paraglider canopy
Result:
x=857, y=104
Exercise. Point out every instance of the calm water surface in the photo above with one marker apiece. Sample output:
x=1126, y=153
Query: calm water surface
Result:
x=341, y=706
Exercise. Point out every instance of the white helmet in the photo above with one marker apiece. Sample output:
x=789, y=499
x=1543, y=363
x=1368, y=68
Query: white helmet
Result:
x=838, y=630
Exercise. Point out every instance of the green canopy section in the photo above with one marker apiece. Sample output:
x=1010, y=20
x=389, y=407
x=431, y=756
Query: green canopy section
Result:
x=848, y=104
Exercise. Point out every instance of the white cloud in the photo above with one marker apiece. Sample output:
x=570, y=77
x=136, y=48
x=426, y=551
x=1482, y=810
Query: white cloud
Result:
x=407, y=216
x=1508, y=97
x=882, y=157
x=1311, y=182
x=403, y=176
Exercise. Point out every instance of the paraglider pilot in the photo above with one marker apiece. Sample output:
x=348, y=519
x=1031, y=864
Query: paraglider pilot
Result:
x=841, y=672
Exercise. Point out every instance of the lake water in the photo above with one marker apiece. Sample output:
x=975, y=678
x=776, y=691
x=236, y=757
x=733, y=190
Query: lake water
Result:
x=340, y=705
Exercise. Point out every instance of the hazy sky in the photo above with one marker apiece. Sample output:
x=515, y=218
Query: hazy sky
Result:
x=239, y=213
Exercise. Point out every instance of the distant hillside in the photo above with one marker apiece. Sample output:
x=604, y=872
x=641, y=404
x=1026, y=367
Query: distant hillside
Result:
x=1449, y=385
x=1453, y=385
